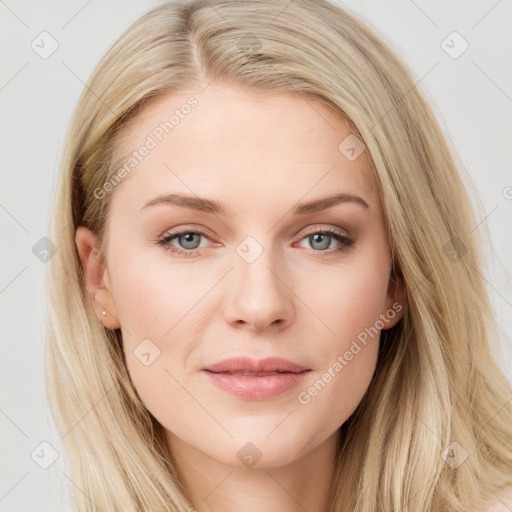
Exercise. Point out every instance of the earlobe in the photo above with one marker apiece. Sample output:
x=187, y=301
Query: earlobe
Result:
x=96, y=278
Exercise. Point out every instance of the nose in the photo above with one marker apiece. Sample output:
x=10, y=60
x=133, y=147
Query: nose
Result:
x=259, y=295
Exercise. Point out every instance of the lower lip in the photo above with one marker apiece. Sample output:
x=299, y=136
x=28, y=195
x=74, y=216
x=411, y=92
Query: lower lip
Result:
x=251, y=387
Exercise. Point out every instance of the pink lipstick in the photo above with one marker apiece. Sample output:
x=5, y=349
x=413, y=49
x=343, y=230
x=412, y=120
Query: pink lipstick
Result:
x=252, y=379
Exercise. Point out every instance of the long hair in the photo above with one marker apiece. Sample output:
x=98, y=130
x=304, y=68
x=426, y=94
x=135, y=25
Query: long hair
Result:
x=438, y=394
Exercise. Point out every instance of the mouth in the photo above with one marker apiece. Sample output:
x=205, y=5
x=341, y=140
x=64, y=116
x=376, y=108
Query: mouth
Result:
x=256, y=385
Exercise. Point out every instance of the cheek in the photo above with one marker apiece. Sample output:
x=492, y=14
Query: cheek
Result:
x=153, y=298
x=350, y=308
x=334, y=393
x=158, y=306
x=351, y=301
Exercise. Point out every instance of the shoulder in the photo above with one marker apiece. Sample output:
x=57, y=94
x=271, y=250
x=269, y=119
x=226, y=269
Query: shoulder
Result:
x=503, y=501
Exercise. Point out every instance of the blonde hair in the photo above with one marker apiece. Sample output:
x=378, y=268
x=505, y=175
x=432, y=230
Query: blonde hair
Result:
x=436, y=381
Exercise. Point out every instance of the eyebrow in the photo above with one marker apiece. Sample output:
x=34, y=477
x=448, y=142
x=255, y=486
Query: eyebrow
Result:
x=215, y=207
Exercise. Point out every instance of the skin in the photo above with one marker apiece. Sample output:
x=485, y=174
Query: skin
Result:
x=259, y=155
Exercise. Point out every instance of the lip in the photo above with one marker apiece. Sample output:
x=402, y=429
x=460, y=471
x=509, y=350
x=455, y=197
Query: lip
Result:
x=239, y=376
x=269, y=364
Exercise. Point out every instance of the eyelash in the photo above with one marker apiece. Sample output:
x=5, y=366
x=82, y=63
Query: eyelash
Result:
x=338, y=235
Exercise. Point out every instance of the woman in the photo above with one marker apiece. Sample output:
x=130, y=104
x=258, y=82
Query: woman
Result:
x=268, y=290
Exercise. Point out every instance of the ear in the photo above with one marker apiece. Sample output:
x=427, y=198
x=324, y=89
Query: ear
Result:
x=396, y=297
x=97, y=281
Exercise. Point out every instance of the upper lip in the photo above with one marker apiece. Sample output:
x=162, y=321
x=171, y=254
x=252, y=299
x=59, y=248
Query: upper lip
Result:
x=246, y=364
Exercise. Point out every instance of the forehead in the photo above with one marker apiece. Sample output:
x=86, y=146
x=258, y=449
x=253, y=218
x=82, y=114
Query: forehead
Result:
x=231, y=143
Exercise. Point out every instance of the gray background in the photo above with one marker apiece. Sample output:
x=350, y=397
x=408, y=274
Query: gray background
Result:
x=472, y=96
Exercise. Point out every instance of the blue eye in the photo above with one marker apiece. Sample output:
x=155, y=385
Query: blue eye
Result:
x=324, y=239
x=190, y=240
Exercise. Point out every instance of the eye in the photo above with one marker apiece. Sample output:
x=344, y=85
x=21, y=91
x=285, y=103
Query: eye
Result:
x=187, y=238
x=320, y=240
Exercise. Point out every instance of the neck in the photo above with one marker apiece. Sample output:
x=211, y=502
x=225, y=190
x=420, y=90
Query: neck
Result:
x=213, y=486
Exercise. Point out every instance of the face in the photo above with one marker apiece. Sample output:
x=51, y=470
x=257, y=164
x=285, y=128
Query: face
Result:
x=241, y=260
